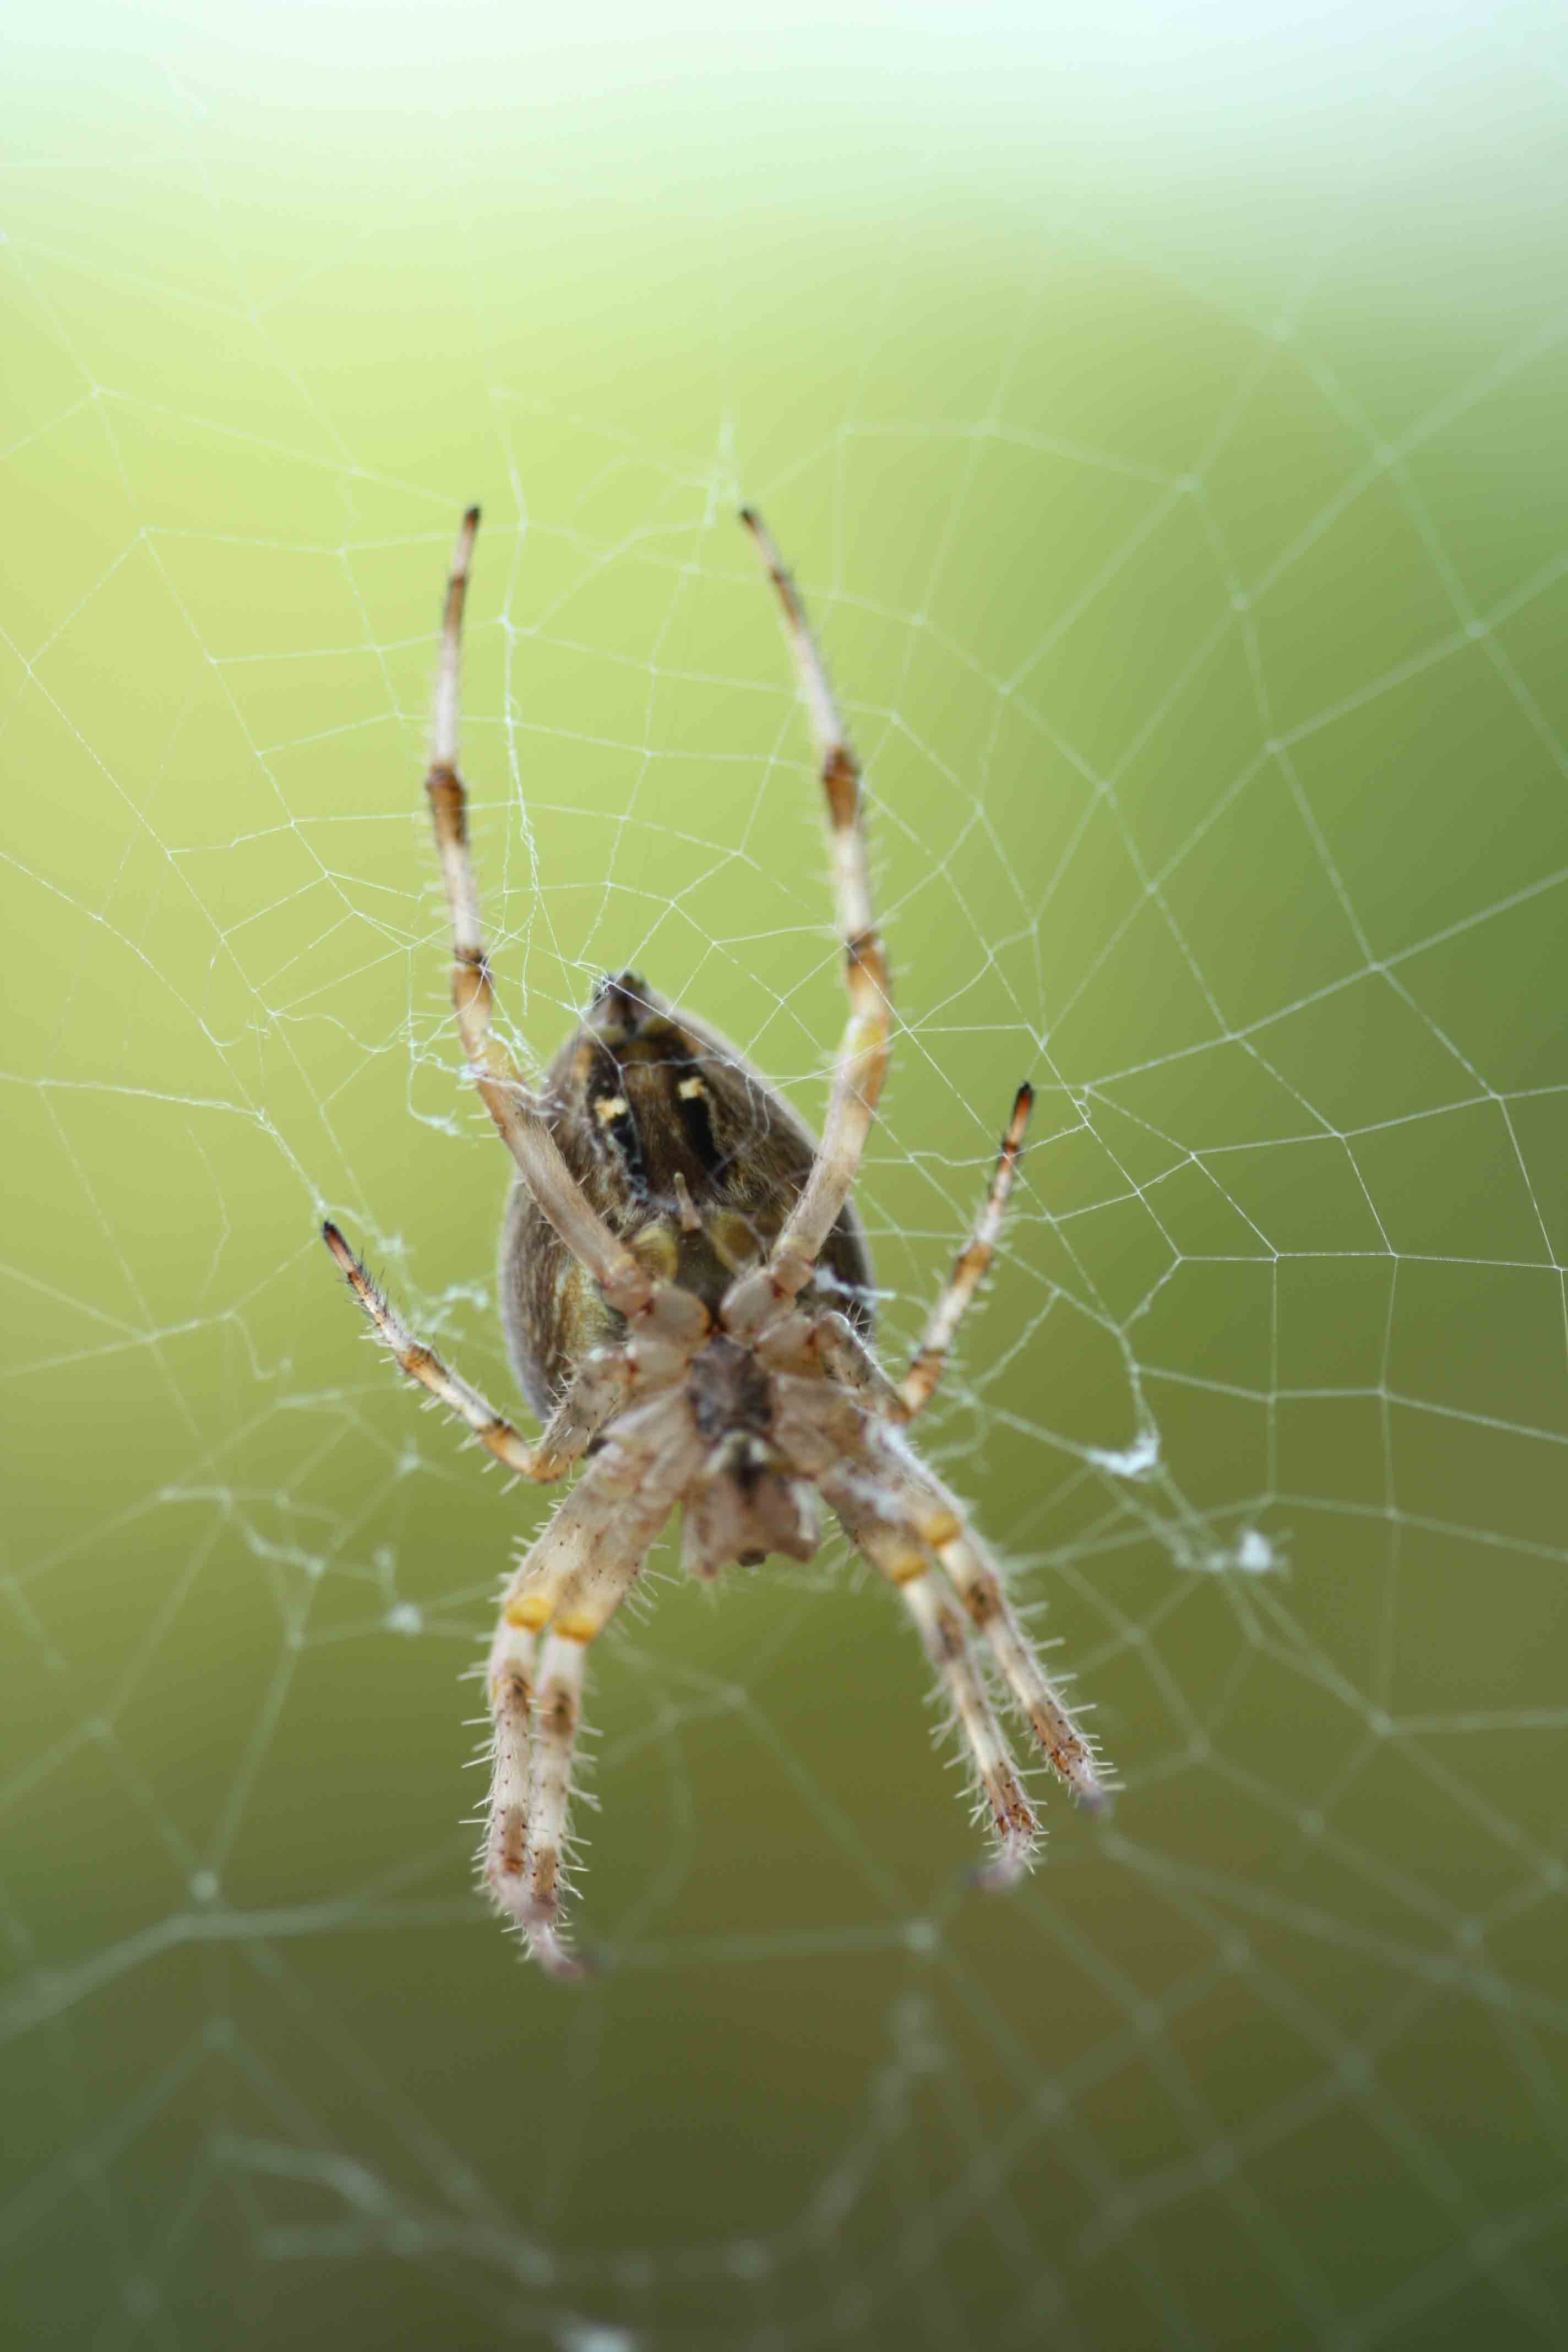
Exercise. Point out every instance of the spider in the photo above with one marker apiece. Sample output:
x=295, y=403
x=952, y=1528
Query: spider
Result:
x=686, y=1297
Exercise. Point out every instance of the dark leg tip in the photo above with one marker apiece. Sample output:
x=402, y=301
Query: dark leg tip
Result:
x=336, y=1243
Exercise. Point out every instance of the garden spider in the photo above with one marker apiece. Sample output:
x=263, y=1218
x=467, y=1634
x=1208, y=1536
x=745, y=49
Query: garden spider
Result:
x=686, y=1297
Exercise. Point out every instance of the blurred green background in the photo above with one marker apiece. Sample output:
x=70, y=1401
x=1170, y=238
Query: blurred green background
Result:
x=1165, y=424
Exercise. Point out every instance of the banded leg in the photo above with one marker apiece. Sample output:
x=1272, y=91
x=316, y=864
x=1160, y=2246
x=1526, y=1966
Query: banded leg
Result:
x=572, y=1581
x=842, y=1446
x=897, y=1552
x=593, y=1395
x=864, y=1051
x=922, y=1498
x=559, y=1711
x=919, y=1384
x=947, y=1645
x=1064, y=1745
x=618, y=1507
x=863, y=1466
x=523, y=1127
x=509, y=1682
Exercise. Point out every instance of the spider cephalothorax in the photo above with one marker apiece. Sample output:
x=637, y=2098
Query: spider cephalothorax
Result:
x=686, y=1297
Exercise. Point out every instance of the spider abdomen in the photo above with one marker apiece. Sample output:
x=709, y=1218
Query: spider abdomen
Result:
x=688, y=1154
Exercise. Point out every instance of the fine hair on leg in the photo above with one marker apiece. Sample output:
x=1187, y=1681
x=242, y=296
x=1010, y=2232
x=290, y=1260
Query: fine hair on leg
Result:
x=518, y=1117
x=863, y=1053
x=970, y=1267
x=598, y=1389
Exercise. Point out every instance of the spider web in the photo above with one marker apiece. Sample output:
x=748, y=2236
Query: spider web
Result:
x=1193, y=574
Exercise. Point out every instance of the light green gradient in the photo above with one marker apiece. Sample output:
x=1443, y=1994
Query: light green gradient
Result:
x=1172, y=458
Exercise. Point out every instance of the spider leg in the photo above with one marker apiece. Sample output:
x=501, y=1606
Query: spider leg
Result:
x=599, y=1388
x=838, y=1348
x=571, y=1583
x=917, y=1386
x=509, y=1680
x=559, y=1713
x=835, y=1344
x=852, y=1455
x=825, y=1436
x=1065, y=1746
x=531, y=1783
x=864, y=1051
x=948, y=1647
x=518, y=1117
x=559, y=1573
x=890, y=1538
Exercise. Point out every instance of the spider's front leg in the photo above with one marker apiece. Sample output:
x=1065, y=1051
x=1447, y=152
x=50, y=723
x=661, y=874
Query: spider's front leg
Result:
x=864, y=1050
x=519, y=1118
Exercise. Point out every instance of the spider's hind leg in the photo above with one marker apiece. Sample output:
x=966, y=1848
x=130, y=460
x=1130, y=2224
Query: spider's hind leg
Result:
x=530, y=1783
x=558, y=1714
x=947, y=1645
x=1066, y=1746
x=894, y=1532
x=906, y=1521
x=509, y=1679
x=566, y=1589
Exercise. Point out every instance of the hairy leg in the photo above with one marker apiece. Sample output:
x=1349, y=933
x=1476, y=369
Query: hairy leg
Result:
x=863, y=1054
x=1061, y=1741
x=947, y=1645
x=569, y=1585
x=600, y=1387
x=847, y=1449
x=518, y=1116
x=558, y=1712
x=893, y=1532
x=919, y=1384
